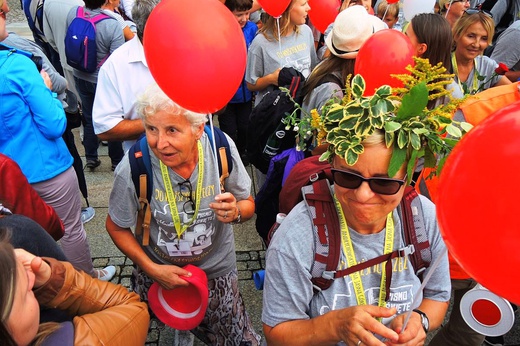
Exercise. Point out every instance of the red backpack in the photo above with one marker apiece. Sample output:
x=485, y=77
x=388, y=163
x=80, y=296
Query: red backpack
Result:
x=310, y=180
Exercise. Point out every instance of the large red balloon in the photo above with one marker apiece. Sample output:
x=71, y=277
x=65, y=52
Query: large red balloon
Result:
x=477, y=205
x=323, y=13
x=274, y=7
x=196, y=52
x=386, y=52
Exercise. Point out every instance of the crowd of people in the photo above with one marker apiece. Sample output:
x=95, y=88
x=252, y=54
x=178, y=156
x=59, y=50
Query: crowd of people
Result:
x=192, y=207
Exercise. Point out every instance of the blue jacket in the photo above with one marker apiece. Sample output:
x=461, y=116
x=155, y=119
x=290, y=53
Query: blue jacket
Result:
x=32, y=121
x=243, y=94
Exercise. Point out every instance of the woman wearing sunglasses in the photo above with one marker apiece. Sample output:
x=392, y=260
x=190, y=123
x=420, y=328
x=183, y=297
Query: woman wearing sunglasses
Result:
x=356, y=310
x=191, y=218
x=473, y=71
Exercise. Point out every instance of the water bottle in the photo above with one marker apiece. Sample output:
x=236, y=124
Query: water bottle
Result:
x=279, y=219
x=274, y=142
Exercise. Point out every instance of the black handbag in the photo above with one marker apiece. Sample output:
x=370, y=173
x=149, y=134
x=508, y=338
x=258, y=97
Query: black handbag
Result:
x=73, y=111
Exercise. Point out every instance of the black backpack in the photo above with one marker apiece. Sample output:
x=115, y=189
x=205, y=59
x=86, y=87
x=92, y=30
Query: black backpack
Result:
x=265, y=121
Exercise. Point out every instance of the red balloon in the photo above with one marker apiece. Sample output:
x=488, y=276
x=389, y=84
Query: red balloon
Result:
x=386, y=52
x=196, y=52
x=392, y=1
x=323, y=12
x=477, y=205
x=274, y=8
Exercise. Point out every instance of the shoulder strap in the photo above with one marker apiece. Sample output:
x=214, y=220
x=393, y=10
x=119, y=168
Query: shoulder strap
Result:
x=224, y=160
x=327, y=237
x=326, y=232
x=142, y=177
x=415, y=231
x=94, y=19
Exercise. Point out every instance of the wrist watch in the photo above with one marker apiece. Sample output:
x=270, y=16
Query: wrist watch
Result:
x=424, y=320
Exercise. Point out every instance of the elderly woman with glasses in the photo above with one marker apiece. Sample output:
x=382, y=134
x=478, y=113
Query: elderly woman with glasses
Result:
x=472, y=34
x=191, y=218
x=368, y=306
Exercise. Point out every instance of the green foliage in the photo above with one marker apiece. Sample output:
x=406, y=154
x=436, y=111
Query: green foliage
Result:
x=410, y=128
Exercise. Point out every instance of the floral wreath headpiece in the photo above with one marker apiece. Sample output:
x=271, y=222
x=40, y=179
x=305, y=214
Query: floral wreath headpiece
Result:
x=413, y=130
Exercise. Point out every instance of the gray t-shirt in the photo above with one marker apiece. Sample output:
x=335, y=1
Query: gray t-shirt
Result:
x=485, y=67
x=507, y=49
x=322, y=93
x=288, y=290
x=264, y=56
x=207, y=243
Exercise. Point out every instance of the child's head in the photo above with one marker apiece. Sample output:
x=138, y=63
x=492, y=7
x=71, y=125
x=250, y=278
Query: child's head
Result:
x=290, y=20
x=389, y=11
x=240, y=9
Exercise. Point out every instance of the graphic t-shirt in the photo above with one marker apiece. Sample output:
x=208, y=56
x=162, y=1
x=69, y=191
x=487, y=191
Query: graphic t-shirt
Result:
x=206, y=243
x=288, y=290
x=265, y=56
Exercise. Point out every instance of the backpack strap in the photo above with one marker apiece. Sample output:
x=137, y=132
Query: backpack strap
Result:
x=327, y=236
x=142, y=177
x=224, y=161
x=415, y=231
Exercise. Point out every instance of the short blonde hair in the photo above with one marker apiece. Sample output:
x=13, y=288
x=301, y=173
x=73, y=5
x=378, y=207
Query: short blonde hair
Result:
x=463, y=23
x=154, y=100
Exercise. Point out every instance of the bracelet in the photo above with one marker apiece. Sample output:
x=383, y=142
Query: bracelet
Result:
x=238, y=218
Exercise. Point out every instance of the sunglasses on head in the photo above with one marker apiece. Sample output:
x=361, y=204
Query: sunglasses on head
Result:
x=471, y=11
x=187, y=191
x=382, y=186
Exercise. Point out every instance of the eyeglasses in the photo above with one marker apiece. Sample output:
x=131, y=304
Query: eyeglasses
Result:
x=187, y=191
x=465, y=1
x=382, y=186
x=471, y=11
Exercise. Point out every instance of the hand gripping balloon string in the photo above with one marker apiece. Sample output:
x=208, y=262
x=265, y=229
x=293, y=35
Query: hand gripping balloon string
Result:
x=214, y=144
x=425, y=281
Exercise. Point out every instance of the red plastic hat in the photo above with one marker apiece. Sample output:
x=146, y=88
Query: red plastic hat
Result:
x=182, y=308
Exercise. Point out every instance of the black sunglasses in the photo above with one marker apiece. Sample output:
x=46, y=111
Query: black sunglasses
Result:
x=187, y=191
x=382, y=186
x=471, y=11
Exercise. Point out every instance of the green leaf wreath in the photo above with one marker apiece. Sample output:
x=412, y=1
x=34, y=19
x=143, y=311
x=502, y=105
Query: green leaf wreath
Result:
x=411, y=128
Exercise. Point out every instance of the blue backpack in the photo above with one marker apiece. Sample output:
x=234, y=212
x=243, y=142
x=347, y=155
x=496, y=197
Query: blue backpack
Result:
x=33, y=10
x=142, y=176
x=80, y=41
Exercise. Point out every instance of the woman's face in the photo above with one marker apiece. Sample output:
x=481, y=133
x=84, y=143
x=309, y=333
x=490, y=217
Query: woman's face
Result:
x=24, y=319
x=366, y=211
x=3, y=11
x=473, y=41
x=457, y=8
x=298, y=12
x=172, y=139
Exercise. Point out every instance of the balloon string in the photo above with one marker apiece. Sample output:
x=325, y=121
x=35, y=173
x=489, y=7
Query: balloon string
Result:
x=425, y=281
x=279, y=40
x=386, y=10
x=210, y=116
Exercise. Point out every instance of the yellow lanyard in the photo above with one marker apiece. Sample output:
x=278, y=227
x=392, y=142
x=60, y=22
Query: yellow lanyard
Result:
x=180, y=229
x=456, y=71
x=348, y=249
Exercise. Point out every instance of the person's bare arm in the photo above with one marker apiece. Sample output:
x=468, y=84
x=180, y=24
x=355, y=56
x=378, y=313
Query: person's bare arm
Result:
x=125, y=130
